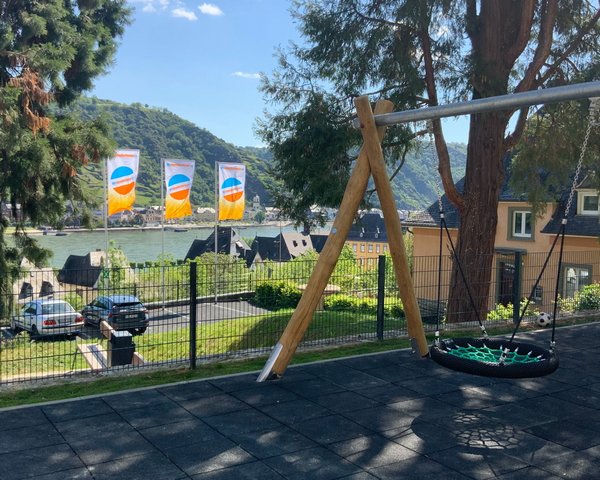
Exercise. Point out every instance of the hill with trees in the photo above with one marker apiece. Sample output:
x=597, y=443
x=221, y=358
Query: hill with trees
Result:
x=159, y=133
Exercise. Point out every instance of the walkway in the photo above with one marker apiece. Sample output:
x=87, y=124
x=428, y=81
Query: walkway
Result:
x=386, y=416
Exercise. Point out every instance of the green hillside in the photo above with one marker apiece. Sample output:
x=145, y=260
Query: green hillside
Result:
x=158, y=134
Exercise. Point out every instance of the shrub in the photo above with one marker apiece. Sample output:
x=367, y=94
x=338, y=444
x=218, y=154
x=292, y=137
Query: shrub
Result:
x=505, y=312
x=75, y=300
x=276, y=295
x=589, y=297
x=340, y=302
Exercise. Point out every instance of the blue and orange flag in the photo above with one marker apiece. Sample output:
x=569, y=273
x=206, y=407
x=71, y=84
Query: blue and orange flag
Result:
x=232, y=186
x=122, y=172
x=179, y=175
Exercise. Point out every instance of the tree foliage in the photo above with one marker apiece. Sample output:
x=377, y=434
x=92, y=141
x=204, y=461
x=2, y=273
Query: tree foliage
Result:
x=419, y=53
x=50, y=52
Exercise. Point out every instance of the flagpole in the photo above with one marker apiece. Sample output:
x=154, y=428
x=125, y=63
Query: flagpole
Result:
x=216, y=224
x=105, y=181
x=162, y=221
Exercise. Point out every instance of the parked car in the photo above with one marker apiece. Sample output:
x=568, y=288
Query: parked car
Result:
x=47, y=317
x=122, y=312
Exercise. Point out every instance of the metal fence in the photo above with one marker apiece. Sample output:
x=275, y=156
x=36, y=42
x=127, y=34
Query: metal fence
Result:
x=207, y=310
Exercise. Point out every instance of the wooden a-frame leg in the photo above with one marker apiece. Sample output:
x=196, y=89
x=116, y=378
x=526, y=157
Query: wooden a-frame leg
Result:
x=303, y=314
x=372, y=145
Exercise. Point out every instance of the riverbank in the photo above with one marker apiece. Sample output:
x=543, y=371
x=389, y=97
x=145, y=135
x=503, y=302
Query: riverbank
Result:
x=153, y=227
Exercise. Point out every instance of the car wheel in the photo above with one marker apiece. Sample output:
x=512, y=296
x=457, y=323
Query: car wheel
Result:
x=34, y=331
x=141, y=330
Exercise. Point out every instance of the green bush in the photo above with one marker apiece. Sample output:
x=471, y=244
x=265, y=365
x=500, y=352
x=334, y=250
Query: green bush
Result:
x=589, y=297
x=340, y=302
x=505, y=312
x=75, y=300
x=276, y=295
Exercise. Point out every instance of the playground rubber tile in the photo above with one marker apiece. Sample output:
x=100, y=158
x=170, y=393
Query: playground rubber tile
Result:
x=428, y=386
x=249, y=471
x=487, y=464
x=139, y=399
x=295, y=411
x=205, y=457
x=22, y=418
x=181, y=434
x=416, y=468
x=540, y=385
x=372, y=451
x=108, y=447
x=425, y=408
x=567, y=433
x=78, y=409
x=142, y=467
x=313, y=387
x=464, y=380
x=394, y=373
x=516, y=416
x=573, y=376
x=367, y=362
x=34, y=462
x=241, y=422
x=422, y=437
x=469, y=398
x=354, y=379
x=316, y=463
x=556, y=407
x=345, y=402
x=359, y=476
x=505, y=392
x=217, y=405
x=576, y=466
x=330, y=429
x=92, y=426
x=28, y=438
x=581, y=396
x=294, y=373
x=235, y=383
x=530, y=473
x=380, y=419
x=156, y=415
x=74, y=474
x=389, y=393
x=265, y=394
x=190, y=391
x=272, y=442
x=537, y=451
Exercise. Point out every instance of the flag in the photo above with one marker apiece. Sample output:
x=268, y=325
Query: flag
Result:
x=232, y=183
x=179, y=175
x=122, y=172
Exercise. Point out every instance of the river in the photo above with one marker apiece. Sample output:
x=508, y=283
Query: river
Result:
x=142, y=245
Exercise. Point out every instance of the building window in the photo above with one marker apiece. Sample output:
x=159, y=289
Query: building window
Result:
x=574, y=278
x=522, y=224
x=588, y=203
x=362, y=247
x=377, y=248
x=370, y=248
x=385, y=248
x=354, y=247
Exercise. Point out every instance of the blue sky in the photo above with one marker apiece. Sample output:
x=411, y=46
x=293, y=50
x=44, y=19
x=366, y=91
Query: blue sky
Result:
x=201, y=60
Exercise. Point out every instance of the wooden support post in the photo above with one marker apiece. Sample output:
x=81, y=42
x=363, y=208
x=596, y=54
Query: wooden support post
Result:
x=302, y=316
x=372, y=145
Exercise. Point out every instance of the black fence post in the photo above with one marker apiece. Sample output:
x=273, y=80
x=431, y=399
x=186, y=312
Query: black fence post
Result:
x=193, y=312
x=516, y=293
x=380, y=295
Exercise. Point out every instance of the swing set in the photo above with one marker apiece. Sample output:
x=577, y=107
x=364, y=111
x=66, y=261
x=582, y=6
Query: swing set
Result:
x=491, y=357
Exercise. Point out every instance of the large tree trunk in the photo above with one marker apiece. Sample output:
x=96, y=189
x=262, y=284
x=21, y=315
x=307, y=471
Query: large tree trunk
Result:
x=478, y=218
x=499, y=33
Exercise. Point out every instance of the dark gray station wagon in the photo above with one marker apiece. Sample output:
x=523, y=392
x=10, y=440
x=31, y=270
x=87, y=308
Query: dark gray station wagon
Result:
x=122, y=312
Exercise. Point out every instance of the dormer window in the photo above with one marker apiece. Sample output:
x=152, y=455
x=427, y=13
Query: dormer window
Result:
x=522, y=224
x=587, y=202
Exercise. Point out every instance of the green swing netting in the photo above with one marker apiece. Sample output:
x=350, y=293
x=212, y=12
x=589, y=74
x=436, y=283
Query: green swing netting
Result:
x=492, y=355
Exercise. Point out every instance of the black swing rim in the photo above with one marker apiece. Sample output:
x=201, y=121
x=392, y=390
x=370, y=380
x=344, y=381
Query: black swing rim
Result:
x=546, y=365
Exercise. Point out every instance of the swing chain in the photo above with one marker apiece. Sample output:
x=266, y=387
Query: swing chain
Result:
x=593, y=120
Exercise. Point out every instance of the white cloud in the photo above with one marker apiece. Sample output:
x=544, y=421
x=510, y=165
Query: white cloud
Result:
x=210, y=9
x=149, y=8
x=253, y=76
x=183, y=13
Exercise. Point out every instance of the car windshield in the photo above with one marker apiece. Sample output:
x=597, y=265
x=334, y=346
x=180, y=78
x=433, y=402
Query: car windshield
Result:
x=53, y=308
x=129, y=306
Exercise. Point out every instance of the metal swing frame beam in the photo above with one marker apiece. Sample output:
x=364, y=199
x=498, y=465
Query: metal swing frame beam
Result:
x=370, y=161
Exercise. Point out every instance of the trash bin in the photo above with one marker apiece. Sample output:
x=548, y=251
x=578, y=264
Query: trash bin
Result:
x=120, y=349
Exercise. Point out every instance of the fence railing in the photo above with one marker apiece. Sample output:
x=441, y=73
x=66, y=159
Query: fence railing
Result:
x=206, y=311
